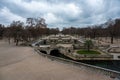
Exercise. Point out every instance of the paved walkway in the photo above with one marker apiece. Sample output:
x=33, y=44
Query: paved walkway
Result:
x=22, y=63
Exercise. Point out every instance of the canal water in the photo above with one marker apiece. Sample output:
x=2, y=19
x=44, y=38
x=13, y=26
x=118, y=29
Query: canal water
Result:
x=109, y=64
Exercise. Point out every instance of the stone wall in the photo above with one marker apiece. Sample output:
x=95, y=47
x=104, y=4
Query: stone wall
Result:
x=88, y=67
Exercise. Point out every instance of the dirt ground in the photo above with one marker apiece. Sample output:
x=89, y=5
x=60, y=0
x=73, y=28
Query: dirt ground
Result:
x=23, y=63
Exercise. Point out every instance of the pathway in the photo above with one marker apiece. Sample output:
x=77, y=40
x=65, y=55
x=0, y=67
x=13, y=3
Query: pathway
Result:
x=22, y=63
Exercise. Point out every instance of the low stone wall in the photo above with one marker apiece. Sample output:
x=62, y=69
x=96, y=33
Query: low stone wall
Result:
x=108, y=72
x=89, y=57
x=94, y=57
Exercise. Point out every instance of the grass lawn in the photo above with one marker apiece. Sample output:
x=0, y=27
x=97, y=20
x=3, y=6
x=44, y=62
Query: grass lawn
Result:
x=88, y=52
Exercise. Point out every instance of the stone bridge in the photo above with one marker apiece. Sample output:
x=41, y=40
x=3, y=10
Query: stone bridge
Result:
x=58, y=43
x=56, y=49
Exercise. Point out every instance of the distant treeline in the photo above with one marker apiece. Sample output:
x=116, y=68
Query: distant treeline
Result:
x=32, y=30
x=36, y=27
x=109, y=29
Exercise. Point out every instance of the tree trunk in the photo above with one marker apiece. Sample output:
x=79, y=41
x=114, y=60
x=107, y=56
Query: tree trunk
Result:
x=111, y=39
x=88, y=48
x=17, y=41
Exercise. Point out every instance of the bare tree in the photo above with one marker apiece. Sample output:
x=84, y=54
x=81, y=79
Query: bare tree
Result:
x=8, y=34
x=16, y=31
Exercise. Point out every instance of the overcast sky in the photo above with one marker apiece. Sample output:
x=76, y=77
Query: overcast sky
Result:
x=60, y=13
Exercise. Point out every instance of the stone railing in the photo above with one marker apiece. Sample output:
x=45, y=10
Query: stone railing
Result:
x=108, y=72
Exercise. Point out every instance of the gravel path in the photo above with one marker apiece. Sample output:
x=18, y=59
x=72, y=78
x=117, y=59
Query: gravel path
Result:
x=22, y=63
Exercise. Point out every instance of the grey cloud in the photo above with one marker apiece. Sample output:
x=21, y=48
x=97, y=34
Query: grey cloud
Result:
x=63, y=13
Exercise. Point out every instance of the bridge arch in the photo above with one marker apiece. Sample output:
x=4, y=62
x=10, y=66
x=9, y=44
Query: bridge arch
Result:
x=55, y=52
